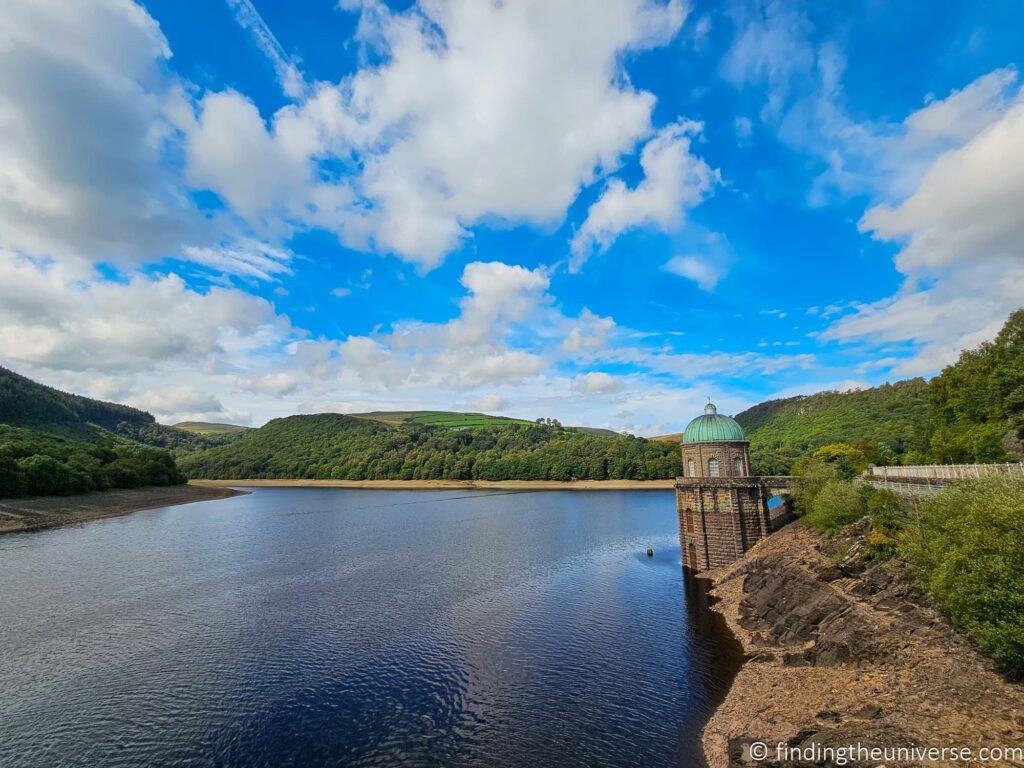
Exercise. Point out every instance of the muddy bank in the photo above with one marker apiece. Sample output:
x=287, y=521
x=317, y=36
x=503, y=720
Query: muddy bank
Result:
x=422, y=485
x=51, y=511
x=842, y=650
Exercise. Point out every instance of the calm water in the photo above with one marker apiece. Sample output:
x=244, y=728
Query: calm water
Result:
x=298, y=627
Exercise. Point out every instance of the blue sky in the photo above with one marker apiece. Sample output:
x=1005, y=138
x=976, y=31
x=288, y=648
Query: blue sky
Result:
x=237, y=210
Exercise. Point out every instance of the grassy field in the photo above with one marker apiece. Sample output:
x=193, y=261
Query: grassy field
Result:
x=450, y=419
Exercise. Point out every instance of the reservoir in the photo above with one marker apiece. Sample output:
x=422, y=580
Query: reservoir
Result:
x=307, y=627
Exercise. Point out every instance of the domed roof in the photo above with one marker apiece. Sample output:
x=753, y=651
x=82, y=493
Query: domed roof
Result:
x=712, y=426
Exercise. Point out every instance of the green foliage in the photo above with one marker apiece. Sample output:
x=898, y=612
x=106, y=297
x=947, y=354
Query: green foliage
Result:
x=978, y=402
x=838, y=503
x=886, y=511
x=34, y=463
x=332, y=446
x=885, y=422
x=26, y=403
x=966, y=546
x=809, y=477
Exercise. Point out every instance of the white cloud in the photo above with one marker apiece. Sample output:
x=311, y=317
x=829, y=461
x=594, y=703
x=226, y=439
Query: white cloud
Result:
x=477, y=111
x=968, y=204
x=340, y=293
x=960, y=230
x=230, y=151
x=276, y=384
x=596, y=382
x=70, y=318
x=674, y=181
x=744, y=127
x=246, y=258
x=84, y=104
x=702, y=272
x=184, y=401
x=488, y=403
x=292, y=82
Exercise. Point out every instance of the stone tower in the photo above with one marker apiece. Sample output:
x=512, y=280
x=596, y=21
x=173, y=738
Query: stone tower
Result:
x=723, y=509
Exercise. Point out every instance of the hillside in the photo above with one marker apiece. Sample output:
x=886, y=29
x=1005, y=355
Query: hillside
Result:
x=893, y=416
x=27, y=403
x=209, y=427
x=332, y=446
x=458, y=420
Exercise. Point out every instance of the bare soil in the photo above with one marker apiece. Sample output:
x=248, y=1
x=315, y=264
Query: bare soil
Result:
x=52, y=511
x=843, y=650
x=399, y=485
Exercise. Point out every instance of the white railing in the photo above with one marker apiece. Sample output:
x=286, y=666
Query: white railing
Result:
x=943, y=472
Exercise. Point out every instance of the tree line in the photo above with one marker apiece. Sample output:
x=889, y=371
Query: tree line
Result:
x=332, y=446
x=973, y=411
x=34, y=463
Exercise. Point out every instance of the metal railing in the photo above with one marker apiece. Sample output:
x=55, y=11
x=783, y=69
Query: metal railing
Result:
x=943, y=472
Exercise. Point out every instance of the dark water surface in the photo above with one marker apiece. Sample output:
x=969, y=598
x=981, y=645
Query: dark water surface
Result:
x=303, y=627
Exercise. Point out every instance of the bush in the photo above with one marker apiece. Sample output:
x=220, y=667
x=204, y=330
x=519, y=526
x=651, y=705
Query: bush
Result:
x=886, y=511
x=838, y=503
x=966, y=546
x=810, y=476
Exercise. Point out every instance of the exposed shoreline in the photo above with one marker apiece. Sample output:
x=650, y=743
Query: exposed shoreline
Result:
x=844, y=651
x=40, y=512
x=426, y=485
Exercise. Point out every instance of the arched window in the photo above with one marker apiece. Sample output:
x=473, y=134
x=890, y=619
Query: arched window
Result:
x=712, y=467
x=737, y=467
x=689, y=521
x=691, y=468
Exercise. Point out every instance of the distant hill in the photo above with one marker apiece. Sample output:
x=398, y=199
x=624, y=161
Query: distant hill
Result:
x=894, y=416
x=458, y=420
x=210, y=427
x=451, y=419
x=370, y=447
x=27, y=403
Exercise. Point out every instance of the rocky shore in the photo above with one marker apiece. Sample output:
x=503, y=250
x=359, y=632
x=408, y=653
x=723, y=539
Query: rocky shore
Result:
x=843, y=650
x=52, y=511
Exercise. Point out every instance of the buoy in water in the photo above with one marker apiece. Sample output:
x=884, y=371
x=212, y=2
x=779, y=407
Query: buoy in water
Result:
x=650, y=552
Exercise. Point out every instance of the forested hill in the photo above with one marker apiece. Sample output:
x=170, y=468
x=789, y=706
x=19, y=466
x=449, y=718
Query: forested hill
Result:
x=972, y=412
x=894, y=417
x=27, y=403
x=332, y=446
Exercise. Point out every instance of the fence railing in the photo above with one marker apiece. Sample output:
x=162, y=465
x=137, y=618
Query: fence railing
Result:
x=942, y=472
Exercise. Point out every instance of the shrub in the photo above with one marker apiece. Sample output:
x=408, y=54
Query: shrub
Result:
x=966, y=547
x=838, y=503
x=886, y=511
x=810, y=477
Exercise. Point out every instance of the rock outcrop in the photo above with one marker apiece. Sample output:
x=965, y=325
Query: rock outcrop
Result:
x=842, y=650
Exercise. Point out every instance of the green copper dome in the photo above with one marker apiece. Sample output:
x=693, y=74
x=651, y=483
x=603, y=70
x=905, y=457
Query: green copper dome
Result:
x=712, y=426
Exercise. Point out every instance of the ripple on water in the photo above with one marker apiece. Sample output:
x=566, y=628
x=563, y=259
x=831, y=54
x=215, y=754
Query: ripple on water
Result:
x=337, y=627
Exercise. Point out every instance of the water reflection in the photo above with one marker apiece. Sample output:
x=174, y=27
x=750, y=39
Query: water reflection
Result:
x=326, y=627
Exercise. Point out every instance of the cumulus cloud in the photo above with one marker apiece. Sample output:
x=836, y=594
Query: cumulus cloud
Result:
x=70, y=318
x=703, y=272
x=961, y=235
x=183, y=401
x=596, y=382
x=84, y=106
x=967, y=205
x=488, y=403
x=477, y=111
x=674, y=180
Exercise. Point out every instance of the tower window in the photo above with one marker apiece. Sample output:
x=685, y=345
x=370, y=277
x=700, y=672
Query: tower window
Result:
x=737, y=466
x=691, y=468
x=713, y=467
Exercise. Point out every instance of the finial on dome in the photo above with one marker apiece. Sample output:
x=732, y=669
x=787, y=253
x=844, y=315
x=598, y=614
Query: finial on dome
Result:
x=710, y=409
